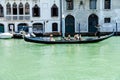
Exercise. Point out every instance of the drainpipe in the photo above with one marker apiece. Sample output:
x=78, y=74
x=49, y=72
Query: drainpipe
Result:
x=63, y=25
x=61, y=18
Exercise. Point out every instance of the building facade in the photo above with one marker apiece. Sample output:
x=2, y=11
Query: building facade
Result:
x=84, y=15
x=40, y=15
x=68, y=16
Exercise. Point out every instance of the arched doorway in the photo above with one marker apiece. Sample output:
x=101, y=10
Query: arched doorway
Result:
x=69, y=24
x=23, y=27
x=1, y=28
x=92, y=22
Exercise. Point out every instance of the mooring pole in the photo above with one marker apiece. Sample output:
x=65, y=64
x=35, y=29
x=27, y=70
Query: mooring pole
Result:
x=116, y=29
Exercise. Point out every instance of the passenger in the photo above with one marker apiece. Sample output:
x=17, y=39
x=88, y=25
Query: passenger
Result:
x=80, y=37
x=51, y=38
x=69, y=37
x=76, y=37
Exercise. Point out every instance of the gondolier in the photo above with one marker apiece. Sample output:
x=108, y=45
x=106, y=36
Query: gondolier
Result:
x=97, y=33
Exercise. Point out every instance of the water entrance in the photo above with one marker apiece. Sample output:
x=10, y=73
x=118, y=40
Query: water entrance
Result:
x=92, y=22
x=69, y=25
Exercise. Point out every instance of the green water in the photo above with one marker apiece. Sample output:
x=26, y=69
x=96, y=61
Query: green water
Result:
x=20, y=60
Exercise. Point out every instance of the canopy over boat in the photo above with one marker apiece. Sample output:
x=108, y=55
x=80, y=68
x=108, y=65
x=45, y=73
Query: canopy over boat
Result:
x=46, y=41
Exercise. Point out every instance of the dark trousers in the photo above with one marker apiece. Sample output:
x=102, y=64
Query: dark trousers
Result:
x=98, y=34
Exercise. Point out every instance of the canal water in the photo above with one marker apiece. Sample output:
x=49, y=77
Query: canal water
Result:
x=20, y=60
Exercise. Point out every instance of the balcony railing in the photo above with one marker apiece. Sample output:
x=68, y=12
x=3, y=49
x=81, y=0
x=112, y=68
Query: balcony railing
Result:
x=17, y=18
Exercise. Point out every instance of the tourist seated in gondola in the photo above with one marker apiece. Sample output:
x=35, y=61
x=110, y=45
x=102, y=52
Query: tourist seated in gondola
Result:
x=80, y=37
x=77, y=37
x=69, y=37
x=51, y=38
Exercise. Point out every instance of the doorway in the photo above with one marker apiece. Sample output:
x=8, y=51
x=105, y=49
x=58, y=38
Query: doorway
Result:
x=92, y=22
x=1, y=28
x=69, y=25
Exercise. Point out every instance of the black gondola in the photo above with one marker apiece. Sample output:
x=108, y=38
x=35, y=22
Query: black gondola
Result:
x=17, y=36
x=46, y=41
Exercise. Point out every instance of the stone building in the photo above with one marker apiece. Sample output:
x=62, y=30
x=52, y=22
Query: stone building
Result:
x=84, y=15
x=40, y=15
x=68, y=16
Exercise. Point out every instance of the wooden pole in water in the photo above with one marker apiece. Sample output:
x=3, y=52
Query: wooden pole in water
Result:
x=79, y=30
x=61, y=18
x=116, y=28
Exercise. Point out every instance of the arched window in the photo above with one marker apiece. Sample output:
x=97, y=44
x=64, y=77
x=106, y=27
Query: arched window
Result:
x=27, y=8
x=107, y=4
x=8, y=8
x=36, y=11
x=54, y=11
x=54, y=27
x=93, y=4
x=21, y=9
x=1, y=11
x=14, y=9
x=69, y=4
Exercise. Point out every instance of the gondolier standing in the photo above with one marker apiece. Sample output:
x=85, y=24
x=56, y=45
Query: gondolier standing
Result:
x=98, y=30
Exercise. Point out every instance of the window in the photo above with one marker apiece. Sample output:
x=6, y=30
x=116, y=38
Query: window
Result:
x=8, y=6
x=93, y=4
x=54, y=27
x=23, y=27
x=69, y=4
x=1, y=11
x=27, y=9
x=11, y=27
x=107, y=4
x=14, y=9
x=38, y=28
x=107, y=20
x=36, y=11
x=54, y=11
x=21, y=9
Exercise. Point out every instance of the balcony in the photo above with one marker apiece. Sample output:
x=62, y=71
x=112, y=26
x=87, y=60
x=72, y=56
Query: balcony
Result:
x=18, y=18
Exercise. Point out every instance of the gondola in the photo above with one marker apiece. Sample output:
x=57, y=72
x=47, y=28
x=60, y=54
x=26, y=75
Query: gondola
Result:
x=17, y=36
x=47, y=41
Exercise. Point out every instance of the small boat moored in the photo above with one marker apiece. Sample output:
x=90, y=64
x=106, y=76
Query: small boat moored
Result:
x=6, y=35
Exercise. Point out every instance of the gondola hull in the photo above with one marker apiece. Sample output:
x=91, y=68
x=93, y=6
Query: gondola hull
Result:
x=88, y=40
